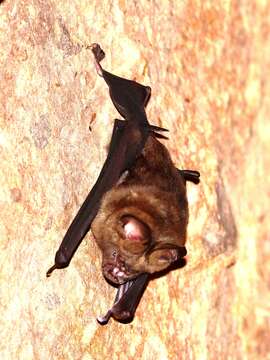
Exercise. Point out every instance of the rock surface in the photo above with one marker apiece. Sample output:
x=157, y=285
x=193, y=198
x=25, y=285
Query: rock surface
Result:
x=208, y=65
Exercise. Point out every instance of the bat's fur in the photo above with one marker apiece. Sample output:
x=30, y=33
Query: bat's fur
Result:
x=154, y=192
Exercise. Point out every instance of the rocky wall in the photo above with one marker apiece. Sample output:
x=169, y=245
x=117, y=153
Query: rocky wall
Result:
x=207, y=63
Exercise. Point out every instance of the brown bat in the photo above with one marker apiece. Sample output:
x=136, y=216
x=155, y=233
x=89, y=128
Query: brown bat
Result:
x=137, y=210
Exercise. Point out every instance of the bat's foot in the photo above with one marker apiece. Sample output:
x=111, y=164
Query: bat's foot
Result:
x=97, y=51
x=99, y=55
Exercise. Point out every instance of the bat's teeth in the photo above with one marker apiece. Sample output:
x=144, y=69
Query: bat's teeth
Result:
x=115, y=271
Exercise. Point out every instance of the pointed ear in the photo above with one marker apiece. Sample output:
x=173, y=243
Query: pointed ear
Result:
x=161, y=258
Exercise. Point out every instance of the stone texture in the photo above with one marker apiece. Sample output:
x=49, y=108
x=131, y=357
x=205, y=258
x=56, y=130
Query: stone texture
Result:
x=208, y=65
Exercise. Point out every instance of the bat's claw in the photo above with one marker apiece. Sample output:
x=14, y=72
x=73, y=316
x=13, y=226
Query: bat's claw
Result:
x=99, y=55
x=159, y=136
x=103, y=320
x=191, y=175
x=156, y=128
x=51, y=269
x=61, y=260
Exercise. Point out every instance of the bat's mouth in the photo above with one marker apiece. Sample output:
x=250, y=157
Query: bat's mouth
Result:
x=117, y=272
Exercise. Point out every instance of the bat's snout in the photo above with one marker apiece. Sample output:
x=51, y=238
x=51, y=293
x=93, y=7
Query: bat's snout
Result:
x=116, y=270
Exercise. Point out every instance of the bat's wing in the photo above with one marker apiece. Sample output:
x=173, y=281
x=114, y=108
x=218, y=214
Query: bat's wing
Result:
x=129, y=97
x=122, y=153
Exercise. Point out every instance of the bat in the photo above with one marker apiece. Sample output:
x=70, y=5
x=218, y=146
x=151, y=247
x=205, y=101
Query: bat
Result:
x=137, y=210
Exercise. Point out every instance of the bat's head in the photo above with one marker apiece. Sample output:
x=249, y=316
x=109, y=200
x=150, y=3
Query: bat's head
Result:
x=139, y=234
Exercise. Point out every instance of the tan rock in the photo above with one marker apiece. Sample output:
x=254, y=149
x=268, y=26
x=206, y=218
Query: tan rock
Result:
x=208, y=66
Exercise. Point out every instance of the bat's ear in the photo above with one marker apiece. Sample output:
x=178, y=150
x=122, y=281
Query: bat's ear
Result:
x=163, y=257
